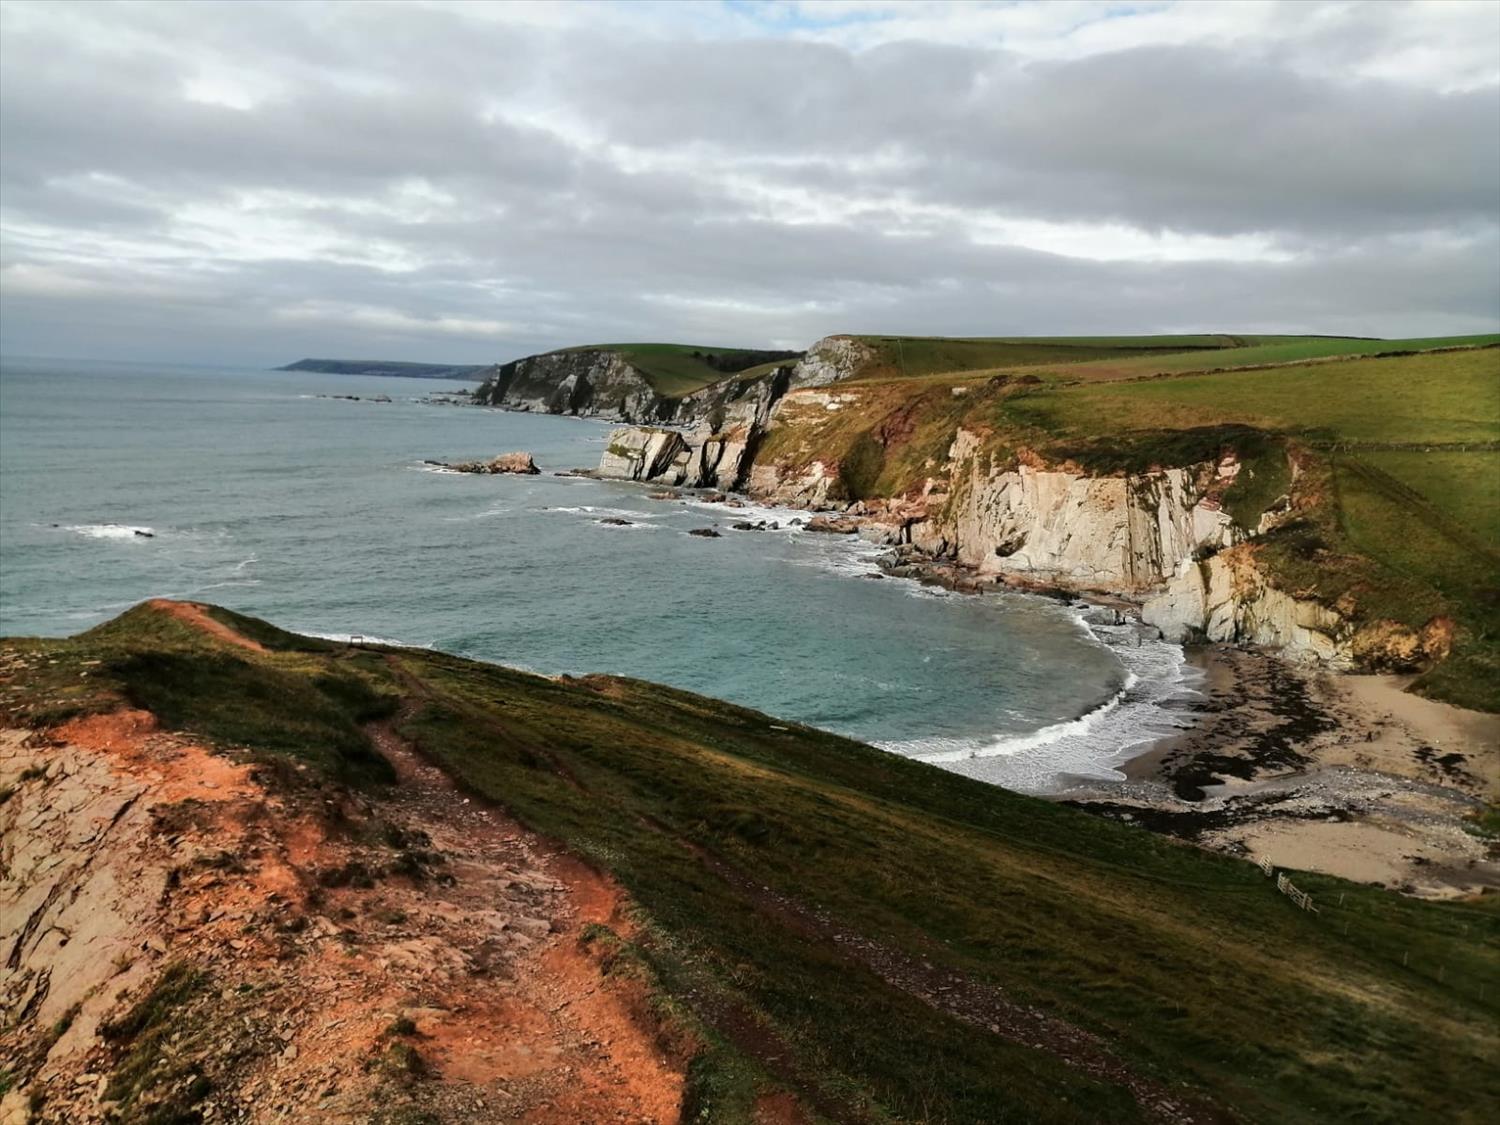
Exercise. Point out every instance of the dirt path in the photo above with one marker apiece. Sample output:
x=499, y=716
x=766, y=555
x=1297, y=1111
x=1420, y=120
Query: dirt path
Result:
x=197, y=616
x=583, y=1054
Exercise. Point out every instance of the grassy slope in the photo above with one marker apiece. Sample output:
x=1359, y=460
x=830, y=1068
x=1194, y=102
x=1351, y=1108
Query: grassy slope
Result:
x=1269, y=350
x=1188, y=963
x=914, y=356
x=1408, y=533
x=1108, y=358
x=671, y=369
x=1443, y=397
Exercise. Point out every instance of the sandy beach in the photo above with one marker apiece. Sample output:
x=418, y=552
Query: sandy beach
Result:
x=1314, y=770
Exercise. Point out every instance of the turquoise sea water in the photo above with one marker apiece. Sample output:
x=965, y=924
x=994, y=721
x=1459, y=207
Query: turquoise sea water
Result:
x=318, y=514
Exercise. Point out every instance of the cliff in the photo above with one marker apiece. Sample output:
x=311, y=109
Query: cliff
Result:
x=717, y=429
x=1120, y=534
x=1248, y=508
x=252, y=876
x=595, y=383
x=643, y=383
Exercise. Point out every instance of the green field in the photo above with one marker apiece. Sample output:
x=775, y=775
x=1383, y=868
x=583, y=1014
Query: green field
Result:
x=800, y=894
x=1107, y=358
x=1268, y=350
x=1464, y=487
x=674, y=370
x=915, y=356
x=1439, y=398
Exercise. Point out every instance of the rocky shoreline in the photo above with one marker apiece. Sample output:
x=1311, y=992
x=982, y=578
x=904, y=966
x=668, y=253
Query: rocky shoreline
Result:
x=1311, y=767
x=1320, y=770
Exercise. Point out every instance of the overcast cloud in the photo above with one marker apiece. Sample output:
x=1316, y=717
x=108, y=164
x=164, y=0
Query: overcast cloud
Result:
x=470, y=182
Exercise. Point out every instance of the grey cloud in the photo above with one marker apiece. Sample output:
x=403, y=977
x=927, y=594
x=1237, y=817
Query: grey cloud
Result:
x=1195, y=139
x=588, y=186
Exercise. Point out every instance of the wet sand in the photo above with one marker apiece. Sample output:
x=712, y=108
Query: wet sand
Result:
x=1321, y=771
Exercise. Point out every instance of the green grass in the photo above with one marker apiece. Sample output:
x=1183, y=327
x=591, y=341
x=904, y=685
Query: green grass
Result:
x=1108, y=358
x=914, y=356
x=153, y=1084
x=721, y=827
x=1263, y=350
x=674, y=370
x=302, y=705
x=1444, y=397
x=1465, y=487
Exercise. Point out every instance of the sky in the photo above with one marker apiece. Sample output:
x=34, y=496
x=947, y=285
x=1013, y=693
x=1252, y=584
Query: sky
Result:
x=469, y=182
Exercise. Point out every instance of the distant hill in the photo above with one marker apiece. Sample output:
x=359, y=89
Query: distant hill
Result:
x=472, y=372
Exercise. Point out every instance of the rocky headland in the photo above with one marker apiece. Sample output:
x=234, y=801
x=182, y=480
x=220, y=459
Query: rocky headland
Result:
x=1223, y=536
x=386, y=367
x=616, y=384
x=1207, y=551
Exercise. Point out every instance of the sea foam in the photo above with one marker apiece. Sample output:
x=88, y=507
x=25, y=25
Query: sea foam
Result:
x=111, y=531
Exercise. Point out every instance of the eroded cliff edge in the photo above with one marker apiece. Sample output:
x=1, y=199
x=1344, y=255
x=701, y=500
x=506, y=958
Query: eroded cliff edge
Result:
x=1188, y=525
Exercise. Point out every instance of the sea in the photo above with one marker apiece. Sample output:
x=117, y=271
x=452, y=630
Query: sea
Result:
x=306, y=499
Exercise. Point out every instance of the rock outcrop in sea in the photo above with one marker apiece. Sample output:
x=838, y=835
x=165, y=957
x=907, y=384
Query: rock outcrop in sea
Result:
x=519, y=463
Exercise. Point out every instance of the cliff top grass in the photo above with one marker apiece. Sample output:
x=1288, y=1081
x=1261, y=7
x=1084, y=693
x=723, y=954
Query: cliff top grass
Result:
x=819, y=907
x=1109, y=358
x=902, y=357
x=674, y=370
x=1268, y=351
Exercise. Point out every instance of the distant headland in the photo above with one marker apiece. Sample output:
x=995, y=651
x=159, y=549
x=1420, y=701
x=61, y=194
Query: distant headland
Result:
x=472, y=372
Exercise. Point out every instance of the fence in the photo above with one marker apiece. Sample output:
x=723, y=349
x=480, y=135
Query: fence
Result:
x=1429, y=962
x=1301, y=898
x=1284, y=885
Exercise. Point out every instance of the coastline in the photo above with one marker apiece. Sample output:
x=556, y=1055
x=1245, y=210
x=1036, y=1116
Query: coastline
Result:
x=1314, y=769
x=1311, y=768
x=1344, y=774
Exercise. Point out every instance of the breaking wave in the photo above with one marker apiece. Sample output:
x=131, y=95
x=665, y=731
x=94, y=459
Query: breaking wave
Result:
x=1146, y=708
x=110, y=530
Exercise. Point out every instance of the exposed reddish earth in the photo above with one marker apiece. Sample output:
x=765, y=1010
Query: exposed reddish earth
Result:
x=335, y=930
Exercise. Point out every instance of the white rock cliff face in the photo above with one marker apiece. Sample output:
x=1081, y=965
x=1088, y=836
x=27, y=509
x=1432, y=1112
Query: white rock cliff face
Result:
x=829, y=360
x=809, y=488
x=1226, y=598
x=1122, y=534
x=1160, y=536
x=698, y=460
